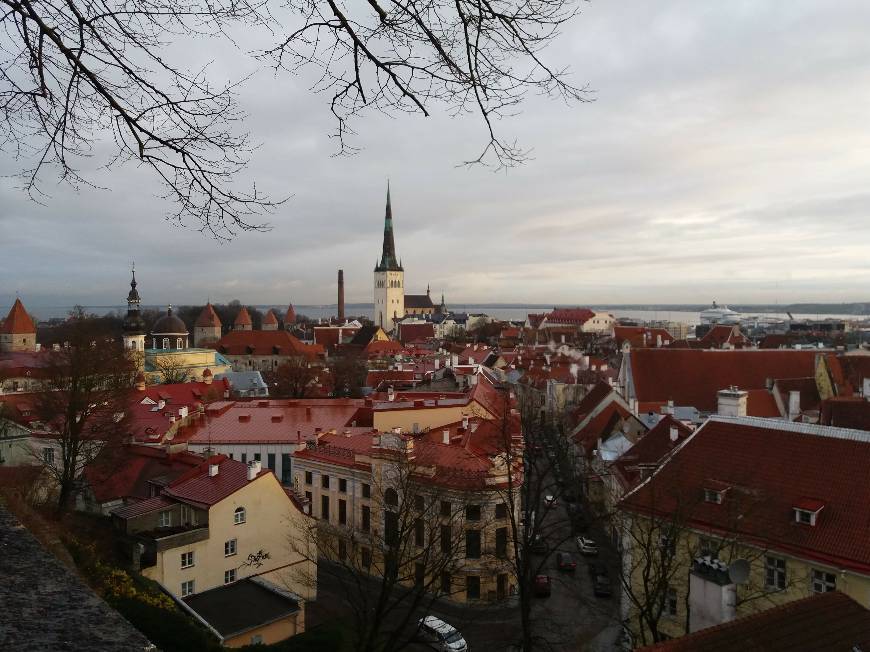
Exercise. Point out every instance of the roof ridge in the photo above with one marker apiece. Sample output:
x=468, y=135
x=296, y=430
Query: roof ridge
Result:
x=796, y=426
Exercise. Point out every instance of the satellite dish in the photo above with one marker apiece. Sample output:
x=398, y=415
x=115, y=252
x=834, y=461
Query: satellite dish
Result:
x=738, y=571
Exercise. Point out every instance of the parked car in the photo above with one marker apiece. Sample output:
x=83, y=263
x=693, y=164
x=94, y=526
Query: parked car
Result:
x=565, y=563
x=597, y=569
x=542, y=586
x=444, y=636
x=587, y=546
x=550, y=500
x=539, y=545
x=601, y=586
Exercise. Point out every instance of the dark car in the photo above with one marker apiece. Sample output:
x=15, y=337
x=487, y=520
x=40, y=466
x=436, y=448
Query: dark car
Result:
x=542, y=586
x=597, y=569
x=565, y=563
x=601, y=587
x=539, y=545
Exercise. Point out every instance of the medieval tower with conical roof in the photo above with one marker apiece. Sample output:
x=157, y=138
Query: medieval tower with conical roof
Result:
x=389, y=295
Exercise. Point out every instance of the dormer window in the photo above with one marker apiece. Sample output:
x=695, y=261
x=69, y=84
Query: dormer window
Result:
x=714, y=496
x=806, y=511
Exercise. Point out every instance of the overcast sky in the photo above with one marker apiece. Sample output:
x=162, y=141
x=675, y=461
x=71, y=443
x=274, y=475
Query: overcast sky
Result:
x=727, y=156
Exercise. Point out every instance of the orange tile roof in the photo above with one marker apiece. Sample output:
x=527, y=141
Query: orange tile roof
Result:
x=278, y=342
x=243, y=318
x=208, y=318
x=270, y=319
x=18, y=322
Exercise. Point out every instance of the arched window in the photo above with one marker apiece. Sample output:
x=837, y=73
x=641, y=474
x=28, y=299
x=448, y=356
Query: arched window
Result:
x=239, y=516
x=391, y=497
x=165, y=342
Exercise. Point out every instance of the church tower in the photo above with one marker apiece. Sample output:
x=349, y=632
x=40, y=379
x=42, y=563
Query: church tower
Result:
x=389, y=288
x=134, y=326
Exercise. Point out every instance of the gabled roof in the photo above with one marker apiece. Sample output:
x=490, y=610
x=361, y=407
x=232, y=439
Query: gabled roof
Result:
x=650, y=450
x=848, y=371
x=278, y=342
x=149, y=423
x=693, y=377
x=819, y=623
x=379, y=348
x=641, y=337
x=594, y=396
x=722, y=335
x=771, y=466
x=208, y=318
x=414, y=332
x=845, y=412
x=18, y=322
x=198, y=487
x=418, y=301
x=127, y=474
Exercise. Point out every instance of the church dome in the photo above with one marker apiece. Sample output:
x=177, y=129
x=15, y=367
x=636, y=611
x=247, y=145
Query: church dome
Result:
x=169, y=324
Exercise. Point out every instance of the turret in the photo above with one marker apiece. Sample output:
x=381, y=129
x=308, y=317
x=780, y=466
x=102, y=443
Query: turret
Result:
x=208, y=326
x=134, y=326
x=243, y=321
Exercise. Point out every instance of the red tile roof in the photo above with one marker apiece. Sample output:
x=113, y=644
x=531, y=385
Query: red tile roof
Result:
x=649, y=451
x=819, y=623
x=601, y=426
x=640, y=337
x=848, y=372
x=415, y=332
x=845, y=412
x=208, y=318
x=271, y=421
x=332, y=335
x=127, y=474
x=594, y=396
x=141, y=507
x=380, y=376
x=572, y=316
x=270, y=319
x=150, y=424
x=761, y=403
x=809, y=392
x=18, y=322
x=266, y=343
x=693, y=377
x=771, y=466
x=289, y=316
x=721, y=335
x=382, y=348
x=198, y=487
x=243, y=318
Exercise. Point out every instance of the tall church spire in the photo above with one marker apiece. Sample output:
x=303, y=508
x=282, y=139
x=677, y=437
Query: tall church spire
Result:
x=388, y=252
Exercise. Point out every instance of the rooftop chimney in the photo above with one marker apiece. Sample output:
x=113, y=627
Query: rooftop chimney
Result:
x=341, y=296
x=213, y=470
x=254, y=468
x=732, y=402
x=445, y=437
x=794, y=404
x=675, y=434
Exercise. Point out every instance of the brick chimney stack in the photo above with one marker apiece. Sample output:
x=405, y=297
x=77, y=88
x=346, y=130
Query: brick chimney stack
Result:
x=341, y=296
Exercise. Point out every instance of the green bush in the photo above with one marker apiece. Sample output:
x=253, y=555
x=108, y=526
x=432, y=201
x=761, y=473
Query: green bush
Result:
x=169, y=630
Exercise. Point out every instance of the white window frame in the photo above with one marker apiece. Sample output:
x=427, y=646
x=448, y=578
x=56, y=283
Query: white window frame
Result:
x=231, y=547
x=240, y=516
x=805, y=516
x=164, y=518
x=230, y=576
x=187, y=559
x=775, y=576
x=823, y=581
x=188, y=587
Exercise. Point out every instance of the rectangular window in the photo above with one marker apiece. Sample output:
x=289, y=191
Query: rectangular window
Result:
x=187, y=559
x=286, y=469
x=419, y=503
x=230, y=547
x=164, y=519
x=472, y=587
x=670, y=599
x=823, y=581
x=713, y=496
x=230, y=576
x=667, y=545
x=48, y=456
x=774, y=573
x=366, y=558
x=366, y=491
x=446, y=539
x=419, y=532
x=308, y=477
x=472, y=544
x=501, y=510
x=446, y=508
x=187, y=588
x=366, y=518
x=501, y=542
x=472, y=512
x=391, y=528
x=419, y=575
x=342, y=512
x=244, y=458
x=445, y=583
x=324, y=508
x=342, y=485
x=324, y=481
x=707, y=546
x=257, y=457
x=342, y=549
x=270, y=460
x=231, y=456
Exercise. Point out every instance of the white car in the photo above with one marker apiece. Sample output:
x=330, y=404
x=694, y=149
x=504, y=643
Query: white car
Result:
x=550, y=500
x=587, y=546
x=445, y=636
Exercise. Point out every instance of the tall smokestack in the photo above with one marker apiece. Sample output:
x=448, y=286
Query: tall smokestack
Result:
x=341, y=296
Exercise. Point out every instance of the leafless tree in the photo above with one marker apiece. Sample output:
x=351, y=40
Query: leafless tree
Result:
x=81, y=402
x=400, y=556
x=72, y=71
x=294, y=377
x=171, y=369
